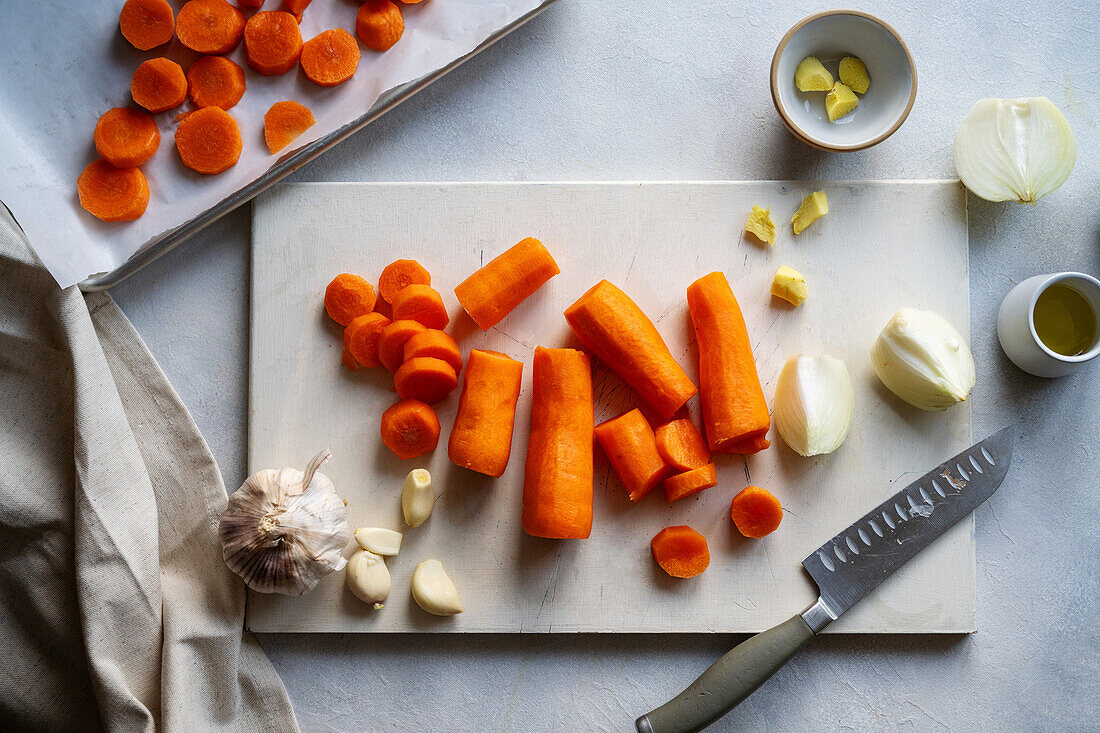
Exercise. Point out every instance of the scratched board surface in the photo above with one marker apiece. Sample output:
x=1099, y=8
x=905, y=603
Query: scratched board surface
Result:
x=883, y=245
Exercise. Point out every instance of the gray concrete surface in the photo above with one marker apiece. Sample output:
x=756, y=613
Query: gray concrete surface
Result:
x=638, y=89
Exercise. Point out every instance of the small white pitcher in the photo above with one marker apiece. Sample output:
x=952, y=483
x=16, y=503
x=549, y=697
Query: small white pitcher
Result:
x=1016, y=325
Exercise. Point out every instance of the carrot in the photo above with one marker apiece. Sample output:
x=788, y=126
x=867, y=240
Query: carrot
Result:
x=296, y=7
x=250, y=3
x=734, y=410
x=690, y=482
x=420, y=303
x=481, y=439
x=347, y=297
x=557, y=481
x=126, y=138
x=631, y=447
x=615, y=329
x=435, y=343
x=209, y=26
x=158, y=85
x=284, y=123
x=330, y=58
x=681, y=445
x=410, y=429
x=425, y=378
x=147, y=24
x=379, y=24
x=215, y=81
x=398, y=274
x=112, y=194
x=208, y=140
x=756, y=512
x=348, y=360
x=493, y=291
x=391, y=344
x=749, y=446
x=361, y=337
x=681, y=551
x=272, y=42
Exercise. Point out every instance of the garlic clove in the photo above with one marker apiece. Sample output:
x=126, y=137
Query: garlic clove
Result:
x=814, y=404
x=417, y=498
x=924, y=360
x=368, y=578
x=378, y=540
x=433, y=590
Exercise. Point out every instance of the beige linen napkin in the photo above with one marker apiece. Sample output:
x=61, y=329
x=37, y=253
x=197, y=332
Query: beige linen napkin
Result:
x=116, y=610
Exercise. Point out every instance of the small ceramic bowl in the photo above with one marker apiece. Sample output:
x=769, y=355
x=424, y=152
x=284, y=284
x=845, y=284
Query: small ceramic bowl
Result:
x=830, y=36
x=1016, y=325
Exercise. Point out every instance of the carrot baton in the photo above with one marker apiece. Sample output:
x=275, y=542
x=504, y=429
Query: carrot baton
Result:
x=631, y=447
x=557, y=483
x=497, y=288
x=481, y=439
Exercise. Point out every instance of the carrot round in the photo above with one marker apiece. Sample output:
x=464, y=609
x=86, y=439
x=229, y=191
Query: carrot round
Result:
x=361, y=338
x=330, y=58
x=734, y=410
x=250, y=3
x=435, y=343
x=681, y=445
x=420, y=303
x=391, y=344
x=147, y=24
x=159, y=85
x=557, y=481
x=615, y=329
x=410, y=429
x=296, y=7
x=398, y=274
x=209, y=26
x=379, y=24
x=748, y=446
x=208, y=140
x=690, y=482
x=347, y=297
x=756, y=512
x=215, y=81
x=112, y=194
x=126, y=138
x=681, y=551
x=631, y=447
x=348, y=360
x=426, y=379
x=284, y=122
x=497, y=288
x=272, y=42
x=481, y=439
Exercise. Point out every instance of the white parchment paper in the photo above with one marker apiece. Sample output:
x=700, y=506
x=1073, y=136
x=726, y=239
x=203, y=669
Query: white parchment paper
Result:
x=64, y=64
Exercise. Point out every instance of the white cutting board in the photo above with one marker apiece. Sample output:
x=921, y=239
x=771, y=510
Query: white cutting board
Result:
x=883, y=245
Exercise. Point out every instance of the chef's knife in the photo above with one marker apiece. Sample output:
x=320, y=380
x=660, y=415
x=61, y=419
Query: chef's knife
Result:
x=846, y=568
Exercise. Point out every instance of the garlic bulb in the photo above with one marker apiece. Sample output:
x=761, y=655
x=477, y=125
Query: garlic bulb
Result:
x=1014, y=149
x=814, y=404
x=922, y=359
x=284, y=530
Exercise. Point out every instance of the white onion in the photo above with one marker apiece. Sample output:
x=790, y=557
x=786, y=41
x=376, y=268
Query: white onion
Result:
x=923, y=359
x=814, y=404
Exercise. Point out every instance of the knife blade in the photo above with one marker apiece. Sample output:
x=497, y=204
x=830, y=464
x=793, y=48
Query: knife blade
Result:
x=846, y=568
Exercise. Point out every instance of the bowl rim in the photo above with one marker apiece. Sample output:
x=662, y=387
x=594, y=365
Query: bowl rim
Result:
x=806, y=137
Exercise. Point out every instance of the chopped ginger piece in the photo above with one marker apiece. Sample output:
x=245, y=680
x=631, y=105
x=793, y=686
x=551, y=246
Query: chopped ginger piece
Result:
x=813, y=208
x=840, y=101
x=760, y=223
x=789, y=285
x=812, y=76
x=853, y=74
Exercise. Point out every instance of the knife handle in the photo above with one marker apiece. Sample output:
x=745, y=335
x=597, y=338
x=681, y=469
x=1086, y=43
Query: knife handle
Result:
x=729, y=680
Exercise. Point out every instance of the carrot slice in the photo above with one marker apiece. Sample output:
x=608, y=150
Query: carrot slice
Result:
x=615, y=329
x=272, y=42
x=126, y=138
x=410, y=429
x=756, y=512
x=435, y=343
x=391, y=344
x=399, y=274
x=112, y=194
x=749, y=446
x=208, y=140
x=348, y=360
x=481, y=439
x=330, y=58
x=497, y=288
x=734, y=410
x=379, y=24
x=631, y=447
x=420, y=303
x=297, y=7
x=284, y=123
x=681, y=445
x=250, y=3
x=361, y=338
x=681, y=551
x=690, y=482
x=347, y=297
x=215, y=81
x=147, y=24
x=209, y=26
x=158, y=85
x=426, y=379
x=557, y=481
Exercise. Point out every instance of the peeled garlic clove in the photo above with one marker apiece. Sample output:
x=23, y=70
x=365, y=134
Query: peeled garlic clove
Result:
x=814, y=404
x=368, y=577
x=1014, y=149
x=378, y=540
x=923, y=359
x=417, y=498
x=433, y=590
